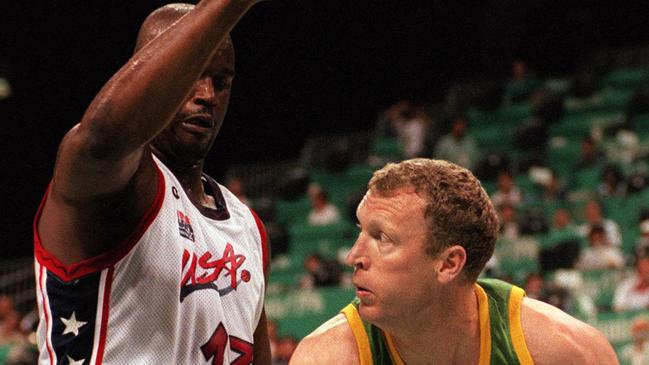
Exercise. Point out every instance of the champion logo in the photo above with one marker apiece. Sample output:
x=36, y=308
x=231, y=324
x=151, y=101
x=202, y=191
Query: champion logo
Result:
x=185, y=226
x=203, y=272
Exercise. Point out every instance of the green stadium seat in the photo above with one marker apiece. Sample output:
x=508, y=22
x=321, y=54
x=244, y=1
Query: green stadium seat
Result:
x=293, y=211
x=298, y=313
x=387, y=147
x=625, y=78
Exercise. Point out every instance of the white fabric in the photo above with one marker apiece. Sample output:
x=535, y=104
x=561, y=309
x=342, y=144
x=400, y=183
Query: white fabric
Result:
x=147, y=322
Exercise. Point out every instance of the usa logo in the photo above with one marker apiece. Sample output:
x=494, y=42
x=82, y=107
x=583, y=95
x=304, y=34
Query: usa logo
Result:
x=185, y=226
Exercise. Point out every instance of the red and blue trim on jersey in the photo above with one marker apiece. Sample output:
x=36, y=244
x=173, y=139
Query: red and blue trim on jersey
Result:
x=82, y=289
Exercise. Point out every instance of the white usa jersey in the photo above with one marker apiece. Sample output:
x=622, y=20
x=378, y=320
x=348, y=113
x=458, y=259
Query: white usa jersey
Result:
x=187, y=287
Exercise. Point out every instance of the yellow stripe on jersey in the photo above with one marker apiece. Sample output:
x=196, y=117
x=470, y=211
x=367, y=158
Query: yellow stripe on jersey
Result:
x=516, y=328
x=394, y=354
x=362, y=342
x=485, y=329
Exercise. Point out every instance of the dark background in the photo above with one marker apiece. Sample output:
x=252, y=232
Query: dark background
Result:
x=303, y=68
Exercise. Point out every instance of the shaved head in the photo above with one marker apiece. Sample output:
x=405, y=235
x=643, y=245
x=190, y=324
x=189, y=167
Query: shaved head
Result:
x=162, y=19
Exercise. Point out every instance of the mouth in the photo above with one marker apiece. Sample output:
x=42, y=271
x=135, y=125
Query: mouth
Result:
x=198, y=123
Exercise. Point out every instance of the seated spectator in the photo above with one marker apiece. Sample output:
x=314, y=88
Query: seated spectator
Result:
x=612, y=183
x=412, y=130
x=554, y=189
x=561, y=246
x=534, y=286
x=286, y=347
x=509, y=227
x=320, y=272
x=322, y=211
x=507, y=192
x=522, y=84
x=457, y=146
x=236, y=186
x=633, y=293
x=599, y=254
x=593, y=216
x=637, y=352
x=11, y=335
x=643, y=240
x=590, y=156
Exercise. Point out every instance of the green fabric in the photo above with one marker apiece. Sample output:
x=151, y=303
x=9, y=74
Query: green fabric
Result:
x=502, y=349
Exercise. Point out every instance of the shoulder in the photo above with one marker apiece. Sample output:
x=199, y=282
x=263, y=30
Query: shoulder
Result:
x=554, y=337
x=331, y=343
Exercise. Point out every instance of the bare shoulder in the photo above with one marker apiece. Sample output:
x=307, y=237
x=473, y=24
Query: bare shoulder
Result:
x=554, y=337
x=331, y=343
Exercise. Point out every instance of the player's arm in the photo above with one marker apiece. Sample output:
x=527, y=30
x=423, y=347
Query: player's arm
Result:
x=101, y=154
x=262, y=354
x=99, y=169
x=554, y=337
x=332, y=343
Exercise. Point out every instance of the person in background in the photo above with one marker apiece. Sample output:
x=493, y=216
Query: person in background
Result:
x=637, y=352
x=599, y=254
x=633, y=293
x=594, y=216
x=322, y=212
x=507, y=191
x=457, y=146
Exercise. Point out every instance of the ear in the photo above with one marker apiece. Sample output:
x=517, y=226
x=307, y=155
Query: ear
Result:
x=451, y=264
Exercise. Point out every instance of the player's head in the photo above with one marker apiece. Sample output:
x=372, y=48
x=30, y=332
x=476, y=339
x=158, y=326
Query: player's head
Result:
x=189, y=136
x=457, y=210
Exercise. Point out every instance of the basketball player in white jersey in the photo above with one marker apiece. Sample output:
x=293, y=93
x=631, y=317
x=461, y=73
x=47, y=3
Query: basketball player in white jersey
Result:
x=140, y=257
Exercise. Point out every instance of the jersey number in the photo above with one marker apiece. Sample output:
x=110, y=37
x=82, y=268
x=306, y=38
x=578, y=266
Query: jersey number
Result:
x=216, y=345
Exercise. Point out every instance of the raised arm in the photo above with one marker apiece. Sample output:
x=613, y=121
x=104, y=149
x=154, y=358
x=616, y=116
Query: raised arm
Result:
x=101, y=153
x=102, y=185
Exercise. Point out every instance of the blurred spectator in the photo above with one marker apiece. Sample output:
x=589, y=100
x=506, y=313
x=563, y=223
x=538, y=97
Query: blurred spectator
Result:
x=236, y=186
x=12, y=337
x=409, y=123
x=320, y=272
x=322, y=211
x=599, y=254
x=633, y=293
x=612, y=183
x=562, y=221
x=522, y=84
x=509, y=227
x=285, y=348
x=457, y=146
x=593, y=216
x=507, y=192
x=561, y=246
x=643, y=240
x=637, y=352
x=590, y=155
x=534, y=286
x=553, y=189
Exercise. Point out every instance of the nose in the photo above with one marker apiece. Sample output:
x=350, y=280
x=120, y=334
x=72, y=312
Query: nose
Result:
x=204, y=93
x=357, y=257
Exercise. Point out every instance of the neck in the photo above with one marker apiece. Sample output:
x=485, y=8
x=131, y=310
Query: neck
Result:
x=447, y=333
x=189, y=176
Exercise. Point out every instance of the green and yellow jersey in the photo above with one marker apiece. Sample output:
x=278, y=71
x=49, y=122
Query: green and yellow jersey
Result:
x=501, y=332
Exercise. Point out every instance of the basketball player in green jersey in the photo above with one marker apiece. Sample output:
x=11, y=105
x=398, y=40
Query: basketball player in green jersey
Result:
x=427, y=228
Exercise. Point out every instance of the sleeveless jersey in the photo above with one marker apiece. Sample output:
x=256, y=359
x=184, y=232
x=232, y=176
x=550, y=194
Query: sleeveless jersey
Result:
x=501, y=333
x=184, y=288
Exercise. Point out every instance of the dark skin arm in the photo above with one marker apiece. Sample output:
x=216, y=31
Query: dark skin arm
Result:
x=103, y=181
x=262, y=355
